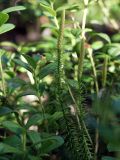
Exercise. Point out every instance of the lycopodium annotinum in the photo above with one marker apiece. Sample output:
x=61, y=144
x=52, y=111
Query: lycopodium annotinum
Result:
x=78, y=139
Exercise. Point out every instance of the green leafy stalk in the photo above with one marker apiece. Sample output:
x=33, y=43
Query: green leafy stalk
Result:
x=59, y=49
x=86, y=140
x=59, y=60
x=59, y=79
x=78, y=139
x=59, y=76
x=77, y=136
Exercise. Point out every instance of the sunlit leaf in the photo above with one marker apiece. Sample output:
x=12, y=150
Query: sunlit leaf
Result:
x=6, y=27
x=3, y=18
x=97, y=45
x=48, y=9
x=8, y=44
x=13, y=9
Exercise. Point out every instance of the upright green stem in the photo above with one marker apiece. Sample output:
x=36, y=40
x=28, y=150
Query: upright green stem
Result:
x=96, y=139
x=82, y=48
x=59, y=73
x=97, y=92
x=59, y=49
x=104, y=77
x=104, y=74
x=82, y=51
x=2, y=77
x=24, y=140
x=94, y=70
x=84, y=18
x=81, y=59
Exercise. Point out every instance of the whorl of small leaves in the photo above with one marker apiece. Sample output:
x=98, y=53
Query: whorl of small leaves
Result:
x=76, y=139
